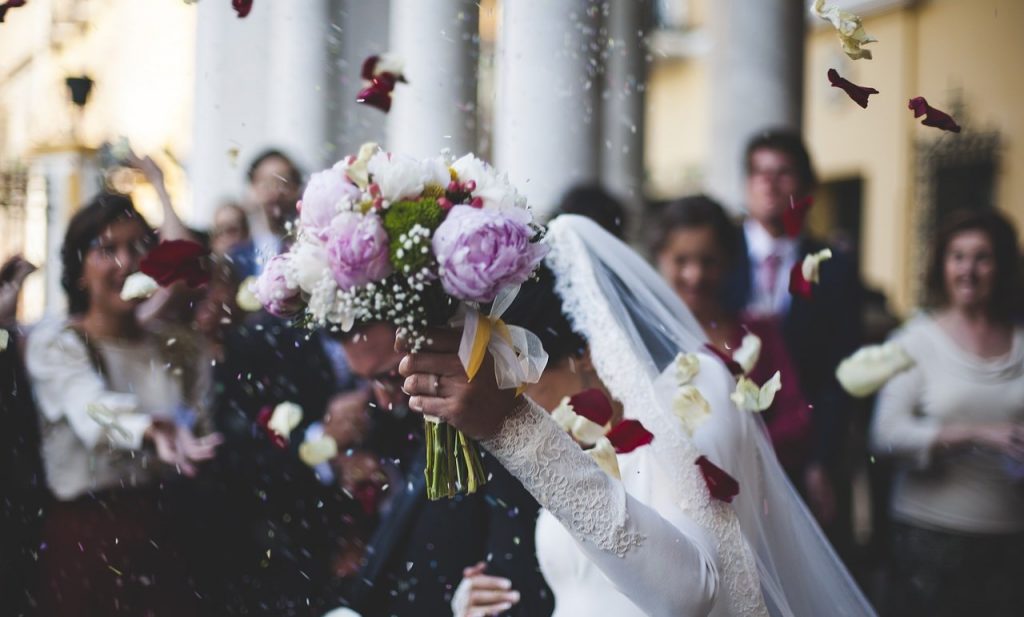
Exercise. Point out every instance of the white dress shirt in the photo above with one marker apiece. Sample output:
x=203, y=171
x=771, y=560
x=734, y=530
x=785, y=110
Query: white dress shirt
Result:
x=765, y=301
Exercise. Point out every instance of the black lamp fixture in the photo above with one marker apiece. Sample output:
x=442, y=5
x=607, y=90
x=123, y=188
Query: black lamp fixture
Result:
x=80, y=88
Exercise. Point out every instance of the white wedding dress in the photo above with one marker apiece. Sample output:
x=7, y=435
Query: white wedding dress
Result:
x=655, y=542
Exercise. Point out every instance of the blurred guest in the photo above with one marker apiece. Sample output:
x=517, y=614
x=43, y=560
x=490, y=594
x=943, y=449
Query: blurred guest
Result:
x=695, y=247
x=955, y=422
x=597, y=204
x=230, y=229
x=23, y=491
x=418, y=553
x=818, y=332
x=111, y=397
x=275, y=185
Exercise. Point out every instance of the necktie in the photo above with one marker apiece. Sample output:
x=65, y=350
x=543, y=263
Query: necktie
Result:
x=770, y=278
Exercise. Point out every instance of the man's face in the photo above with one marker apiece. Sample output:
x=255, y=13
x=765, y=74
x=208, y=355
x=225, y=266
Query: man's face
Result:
x=275, y=191
x=372, y=356
x=773, y=180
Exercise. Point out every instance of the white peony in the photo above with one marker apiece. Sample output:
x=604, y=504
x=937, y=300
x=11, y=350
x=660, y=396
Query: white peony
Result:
x=867, y=370
x=318, y=451
x=138, y=286
x=493, y=188
x=812, y=264
x=307, y=264
x=692, y=409
x=749, y=397
x=285, y=418
x=398, y=176
x=747, y=354
x=327, y=193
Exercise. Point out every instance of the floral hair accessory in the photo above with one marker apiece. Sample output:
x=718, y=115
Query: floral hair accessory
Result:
x=849, y=27
x=932, y=117
x=859, y=94
x=177, y=260
x=721, y=485
x=416, y=243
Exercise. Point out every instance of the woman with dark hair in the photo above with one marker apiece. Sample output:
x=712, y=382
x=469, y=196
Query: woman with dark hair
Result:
x=111, y=398
x=695, y=247
x=955, y=421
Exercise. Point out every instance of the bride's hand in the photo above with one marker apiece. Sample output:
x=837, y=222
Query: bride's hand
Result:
x=437, y=385
x=479, y=595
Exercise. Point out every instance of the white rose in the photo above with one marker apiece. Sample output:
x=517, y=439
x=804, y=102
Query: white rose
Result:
x=749, y=397
x=397, y=175
x=812, y=263
x=867, y=370
x=604, y=455
x=747, y=354
x=687, y=367
x=285, y=418
x=317, y=451
x=138, y=286
x=691, y=408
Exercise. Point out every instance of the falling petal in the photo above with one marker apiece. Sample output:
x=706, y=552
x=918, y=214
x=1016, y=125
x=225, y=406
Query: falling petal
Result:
x=242, y=7
x=849, y=28
x=859, y=94
x=629, y=435
x=177, y=260
x=721, y=485
x=932, y=117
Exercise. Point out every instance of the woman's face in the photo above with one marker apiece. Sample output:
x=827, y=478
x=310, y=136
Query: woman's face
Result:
x=969, y=270
x=694, y=265
x=111, y=257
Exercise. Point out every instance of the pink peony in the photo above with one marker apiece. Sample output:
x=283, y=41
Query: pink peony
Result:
x=273, y=291
x=481, y=251
x=327, y=193
x=357, y=250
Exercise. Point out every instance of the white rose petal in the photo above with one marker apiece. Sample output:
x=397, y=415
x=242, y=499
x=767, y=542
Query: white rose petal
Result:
x=318, y=451
x=246, y=297
x=867, y=370
x=749, y=397
x=811, y=264
x=604, y=455
x=138, y=286
x=285, y=418
x=357, y=170
x=389, y=63
x=687, y=367
x=5, y=339
x=586, y=432
x=564, y=415
x=691, y=408
x=747, y=354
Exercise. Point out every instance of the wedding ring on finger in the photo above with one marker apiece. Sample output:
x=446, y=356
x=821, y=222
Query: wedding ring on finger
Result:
x=435, y=387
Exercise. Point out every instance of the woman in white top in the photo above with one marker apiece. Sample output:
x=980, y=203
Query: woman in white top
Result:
x=956, y=422
x=110, y=397
x=657, y=541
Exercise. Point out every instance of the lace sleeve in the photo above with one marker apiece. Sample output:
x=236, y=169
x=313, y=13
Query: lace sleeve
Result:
x=641, y=552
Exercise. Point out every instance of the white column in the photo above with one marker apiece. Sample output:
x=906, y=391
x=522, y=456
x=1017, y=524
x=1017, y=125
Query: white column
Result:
x=547, y=114
x=622, y=153
x=438, y=42
x=756, y=76
x=297, y=93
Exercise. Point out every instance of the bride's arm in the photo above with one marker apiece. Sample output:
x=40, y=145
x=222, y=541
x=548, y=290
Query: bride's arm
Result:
x=664, y=563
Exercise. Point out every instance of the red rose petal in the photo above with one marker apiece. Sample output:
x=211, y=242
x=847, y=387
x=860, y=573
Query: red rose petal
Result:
x=721, y=485
x=177, y=260
x=368, y=66
x=628, y=435
x=733, y=366
x=593, y=405
x=932, y=117
x=794, y=216
x=859, y=94
x=378, y=93
x=798, y=285
x=10, y=4
x=242, y=7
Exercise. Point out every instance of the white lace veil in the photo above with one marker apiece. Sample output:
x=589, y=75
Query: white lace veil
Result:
x=635, y=327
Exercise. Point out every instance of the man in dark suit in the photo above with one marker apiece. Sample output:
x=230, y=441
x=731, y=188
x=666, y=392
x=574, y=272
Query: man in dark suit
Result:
x=275, y=186
x=416, y=557
x=820, y=331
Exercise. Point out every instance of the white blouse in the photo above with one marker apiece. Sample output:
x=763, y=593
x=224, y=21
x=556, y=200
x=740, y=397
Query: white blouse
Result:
x=92, y=428
x=971, y=489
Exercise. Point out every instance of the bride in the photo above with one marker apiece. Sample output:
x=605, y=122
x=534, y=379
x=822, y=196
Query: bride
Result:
x=656, y=542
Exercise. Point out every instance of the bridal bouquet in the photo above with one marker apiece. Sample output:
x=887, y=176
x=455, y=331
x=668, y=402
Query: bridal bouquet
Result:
x=416, y=243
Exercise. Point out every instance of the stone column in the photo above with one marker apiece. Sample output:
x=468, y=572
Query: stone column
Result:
x=547, y=114
x=756, y=82
x=298, y=89
x=438, y=42
x=623, y=99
